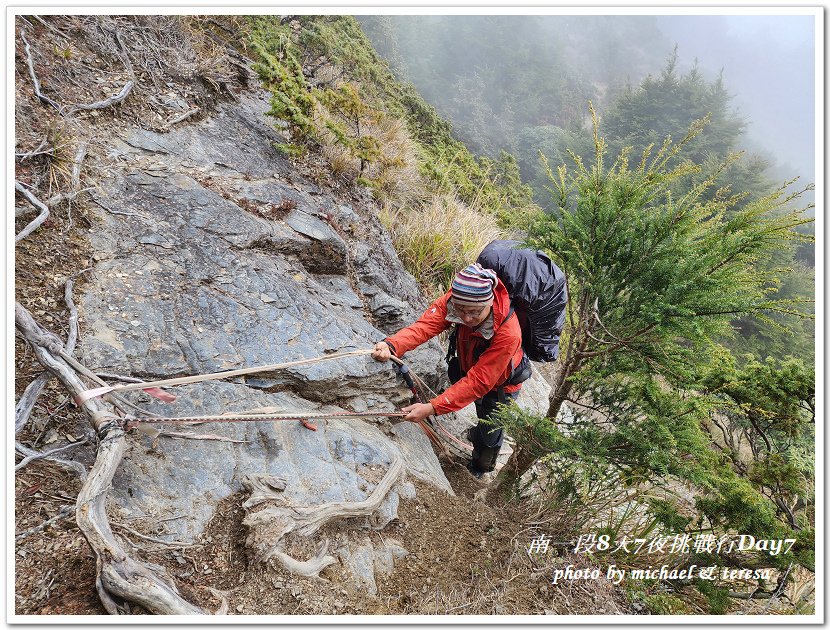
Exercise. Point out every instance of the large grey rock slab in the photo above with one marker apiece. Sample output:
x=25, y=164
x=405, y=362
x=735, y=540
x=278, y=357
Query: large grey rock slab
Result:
x=238, y=138
x=212, y=253
x=214, y=298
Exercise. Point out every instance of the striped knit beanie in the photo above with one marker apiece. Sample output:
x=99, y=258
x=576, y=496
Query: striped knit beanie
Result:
x=473, y=285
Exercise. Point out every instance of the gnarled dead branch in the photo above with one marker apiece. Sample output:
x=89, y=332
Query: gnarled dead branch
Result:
x=112, y=100
x=34, y=456
x=61, y=197
x=121, y=579
x=24, y=406
x=80, y=154
x=38, y=221
x=65, y=512
x=306, y=568
x=182, y=117
x=36, y=151
x=35, y=80
x=169, y=543
x=54, y=29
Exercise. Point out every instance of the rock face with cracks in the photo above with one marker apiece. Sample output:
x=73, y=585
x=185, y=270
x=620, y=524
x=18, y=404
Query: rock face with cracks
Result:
x=211, y=254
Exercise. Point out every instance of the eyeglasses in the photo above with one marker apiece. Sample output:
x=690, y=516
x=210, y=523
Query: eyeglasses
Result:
x=470, y=312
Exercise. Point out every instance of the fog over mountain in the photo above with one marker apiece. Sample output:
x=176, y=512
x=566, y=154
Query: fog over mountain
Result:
x=471, y=69
x=768, y=63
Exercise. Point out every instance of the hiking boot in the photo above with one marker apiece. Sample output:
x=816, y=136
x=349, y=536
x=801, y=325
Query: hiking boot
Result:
x=475, y=471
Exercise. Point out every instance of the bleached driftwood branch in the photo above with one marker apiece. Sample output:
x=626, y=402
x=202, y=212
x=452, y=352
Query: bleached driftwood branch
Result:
x=120, y=578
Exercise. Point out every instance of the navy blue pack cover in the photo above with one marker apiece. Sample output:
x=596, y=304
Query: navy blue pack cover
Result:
x=537, y=291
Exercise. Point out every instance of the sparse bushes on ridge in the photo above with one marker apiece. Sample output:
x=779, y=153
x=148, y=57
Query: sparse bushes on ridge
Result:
x=339, y=97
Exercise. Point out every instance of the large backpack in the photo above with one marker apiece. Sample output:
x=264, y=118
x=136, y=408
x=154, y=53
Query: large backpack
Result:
x=537, y=294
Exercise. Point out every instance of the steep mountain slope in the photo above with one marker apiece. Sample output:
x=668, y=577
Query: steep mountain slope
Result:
x=202, y=249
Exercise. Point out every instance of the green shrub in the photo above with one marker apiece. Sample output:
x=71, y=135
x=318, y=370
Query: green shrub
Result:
x=334, y=91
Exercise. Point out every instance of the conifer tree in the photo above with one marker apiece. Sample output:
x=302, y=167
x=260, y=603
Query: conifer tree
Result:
x=653, y=278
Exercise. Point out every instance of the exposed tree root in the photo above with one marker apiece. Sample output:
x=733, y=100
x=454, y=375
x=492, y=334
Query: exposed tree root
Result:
x=306, y=568
x=269, y=526
x=27, y=401
x=65, y=512
x=74, y=467
x=24, y=406
x=168, y=543
x=37, y=151
x=121, y=579
x=35, y=80
x=34, y=456
x=80, y=154
x=61, y=197
x=112, y=100
x=119, y=402
x=222, y=596
x=182, y=117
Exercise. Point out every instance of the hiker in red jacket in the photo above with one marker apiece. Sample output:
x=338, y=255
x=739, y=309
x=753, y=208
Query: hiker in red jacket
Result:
x=490, y=365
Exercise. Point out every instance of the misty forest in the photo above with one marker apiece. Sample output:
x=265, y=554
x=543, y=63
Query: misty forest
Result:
x=664, y=163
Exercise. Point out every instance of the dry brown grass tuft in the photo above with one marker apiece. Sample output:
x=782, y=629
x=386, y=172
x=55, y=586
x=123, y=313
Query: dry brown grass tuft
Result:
x=395, y=176
x=437, y=239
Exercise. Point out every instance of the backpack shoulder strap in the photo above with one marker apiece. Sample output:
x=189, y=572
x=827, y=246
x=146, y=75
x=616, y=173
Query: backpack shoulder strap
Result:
x=453, y=342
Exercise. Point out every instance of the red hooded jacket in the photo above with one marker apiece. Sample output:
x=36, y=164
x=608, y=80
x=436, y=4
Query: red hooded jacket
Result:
x=493, y=367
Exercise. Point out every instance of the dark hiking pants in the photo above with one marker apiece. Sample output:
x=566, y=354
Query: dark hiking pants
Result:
x=487, y=438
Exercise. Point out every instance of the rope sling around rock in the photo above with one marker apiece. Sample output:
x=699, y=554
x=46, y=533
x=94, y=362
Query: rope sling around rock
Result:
x=402, y=369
